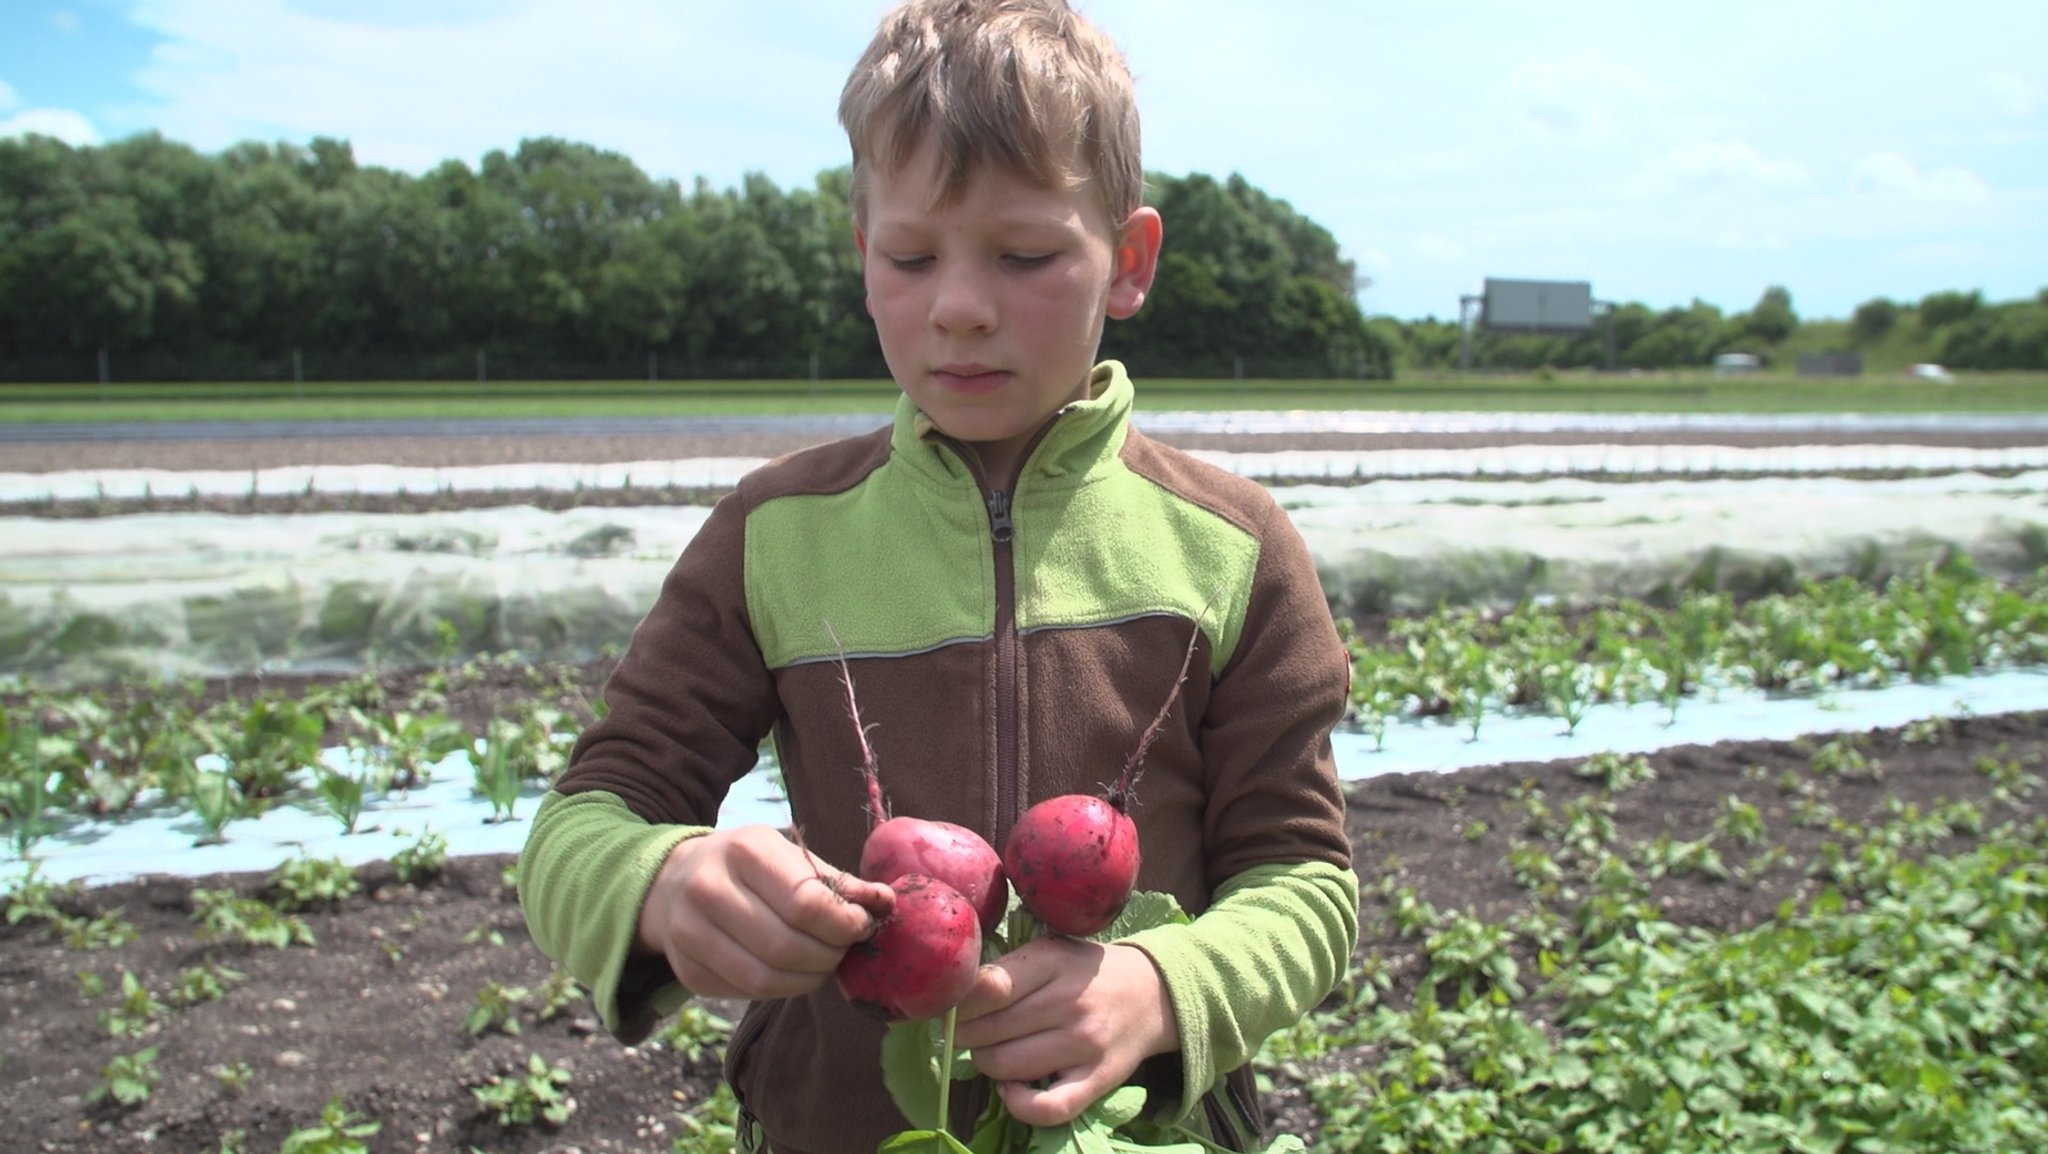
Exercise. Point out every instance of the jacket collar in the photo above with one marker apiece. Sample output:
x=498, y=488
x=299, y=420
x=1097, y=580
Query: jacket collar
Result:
x=1082, y=439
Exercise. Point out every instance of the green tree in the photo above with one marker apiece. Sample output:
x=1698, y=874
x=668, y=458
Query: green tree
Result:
x=1946, y=308
x=1873, y=319
x=1771, y=320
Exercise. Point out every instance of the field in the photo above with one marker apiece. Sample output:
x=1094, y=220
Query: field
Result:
x=1563, y=392
x=1828, y=944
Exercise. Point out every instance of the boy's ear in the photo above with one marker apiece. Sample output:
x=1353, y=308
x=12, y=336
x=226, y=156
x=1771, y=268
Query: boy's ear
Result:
x=1136, y=262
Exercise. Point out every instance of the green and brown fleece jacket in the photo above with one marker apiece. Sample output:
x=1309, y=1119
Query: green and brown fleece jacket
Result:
x=1006, y=647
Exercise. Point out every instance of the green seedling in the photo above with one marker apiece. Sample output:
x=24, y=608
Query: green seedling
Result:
x=127, y=1079
x=540, y=1092
x=339, y=1131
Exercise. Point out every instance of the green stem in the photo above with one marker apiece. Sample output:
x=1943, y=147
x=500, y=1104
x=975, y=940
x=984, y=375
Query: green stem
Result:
x=946, y=1072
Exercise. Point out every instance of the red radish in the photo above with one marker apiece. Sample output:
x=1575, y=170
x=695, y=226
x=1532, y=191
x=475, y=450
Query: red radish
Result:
x=950, y=853
x=1074, y=858
x=921, y=959
x=897, y=846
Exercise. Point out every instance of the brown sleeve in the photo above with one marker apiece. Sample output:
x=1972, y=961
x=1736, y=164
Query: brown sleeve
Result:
x=1274, y=794
x=691, y=700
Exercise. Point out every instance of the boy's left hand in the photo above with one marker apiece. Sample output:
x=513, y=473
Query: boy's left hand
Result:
x=1058, y=1023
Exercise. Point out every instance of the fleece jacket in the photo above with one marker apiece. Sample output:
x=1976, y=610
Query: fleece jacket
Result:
x=1006, y=646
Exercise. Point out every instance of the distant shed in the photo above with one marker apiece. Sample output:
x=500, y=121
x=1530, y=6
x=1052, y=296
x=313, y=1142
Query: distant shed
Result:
x=1737, y=364
x=1831, y=364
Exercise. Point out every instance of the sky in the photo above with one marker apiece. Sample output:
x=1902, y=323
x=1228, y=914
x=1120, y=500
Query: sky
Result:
x=1843, y=149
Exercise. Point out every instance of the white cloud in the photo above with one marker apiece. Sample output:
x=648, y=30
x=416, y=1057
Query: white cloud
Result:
x=7, y=97
x=1891, y=173
x=65, y=22
x=70, y=127
x=685, y=89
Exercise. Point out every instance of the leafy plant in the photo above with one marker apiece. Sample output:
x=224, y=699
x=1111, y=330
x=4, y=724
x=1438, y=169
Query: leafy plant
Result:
x=496, y=1008
x=264, y=742
x=341, y=794
x=1616, y=772
x=559, y=993
x=711, y=1128
x=425, y=857
x=538, y=1092
x=400, y=749
x=233, y=1077
x=216, y=800
x=35, y=898
x=305, y=882
x=127, y=1079
x=695, y=1032
x=136, y=1012
x=224, y=914
x=339, y=1131
x=207, y=982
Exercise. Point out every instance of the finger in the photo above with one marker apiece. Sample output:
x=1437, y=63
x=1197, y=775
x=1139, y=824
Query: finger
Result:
x=835, y=908
x=1030, y=1057
x=994, y=989
x=716, y=964
x=733, y=931
x=1060, y=1102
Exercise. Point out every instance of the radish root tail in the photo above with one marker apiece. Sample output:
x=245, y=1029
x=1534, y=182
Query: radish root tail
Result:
x=1135, y=767
x=878, y=808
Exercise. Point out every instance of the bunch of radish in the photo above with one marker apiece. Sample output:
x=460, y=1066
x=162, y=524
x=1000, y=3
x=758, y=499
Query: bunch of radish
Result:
x=1073, y=860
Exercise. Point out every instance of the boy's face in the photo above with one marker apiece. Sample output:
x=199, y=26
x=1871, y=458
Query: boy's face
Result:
x=990, y=307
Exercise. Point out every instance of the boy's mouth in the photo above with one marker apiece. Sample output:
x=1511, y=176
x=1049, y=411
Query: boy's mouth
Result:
x=970, y=378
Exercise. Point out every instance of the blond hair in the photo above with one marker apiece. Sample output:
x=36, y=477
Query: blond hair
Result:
x=1026, y=86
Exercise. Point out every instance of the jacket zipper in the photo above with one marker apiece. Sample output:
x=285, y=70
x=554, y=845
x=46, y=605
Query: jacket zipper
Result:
x=1002, y=531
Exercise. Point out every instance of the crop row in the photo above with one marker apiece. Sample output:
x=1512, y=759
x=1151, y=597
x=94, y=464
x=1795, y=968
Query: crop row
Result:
x=1895, y=1003
x=1466, y=664
x=336, y=747
x=1898, y=1006
x=135, y=1017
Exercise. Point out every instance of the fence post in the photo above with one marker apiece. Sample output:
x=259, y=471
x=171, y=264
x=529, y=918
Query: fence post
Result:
x=479, y=366
x=653, y=365
x=105, y=376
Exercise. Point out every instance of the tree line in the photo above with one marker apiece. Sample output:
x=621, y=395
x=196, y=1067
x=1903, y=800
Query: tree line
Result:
x=558, y=259
x=567, y=260
x=1957, y=329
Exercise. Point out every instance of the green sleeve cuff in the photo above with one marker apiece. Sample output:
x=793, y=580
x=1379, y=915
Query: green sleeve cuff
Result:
x=1274, y=942
x=583, y=876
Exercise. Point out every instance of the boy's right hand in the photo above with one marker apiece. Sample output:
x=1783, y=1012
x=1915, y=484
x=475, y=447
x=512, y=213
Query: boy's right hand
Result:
x=746, y=913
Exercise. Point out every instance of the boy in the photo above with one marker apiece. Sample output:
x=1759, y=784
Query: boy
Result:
x=1014, y=574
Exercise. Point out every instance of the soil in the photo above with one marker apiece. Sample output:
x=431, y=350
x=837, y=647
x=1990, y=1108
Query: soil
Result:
x=373, y=1014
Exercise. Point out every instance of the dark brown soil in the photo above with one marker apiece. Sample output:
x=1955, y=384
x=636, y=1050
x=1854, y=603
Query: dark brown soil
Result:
x=374, y=1013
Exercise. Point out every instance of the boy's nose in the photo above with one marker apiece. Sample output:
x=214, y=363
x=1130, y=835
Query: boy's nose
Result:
x=962, y=303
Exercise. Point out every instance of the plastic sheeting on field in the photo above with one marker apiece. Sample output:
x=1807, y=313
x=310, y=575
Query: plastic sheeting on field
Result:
x=104, y=851
x=175, y=594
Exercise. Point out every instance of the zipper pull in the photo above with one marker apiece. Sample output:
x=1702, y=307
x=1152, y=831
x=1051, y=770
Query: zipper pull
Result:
x=999, y=526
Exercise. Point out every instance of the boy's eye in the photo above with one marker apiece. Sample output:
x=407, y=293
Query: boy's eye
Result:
x=1028, y=260
x=909, y=263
